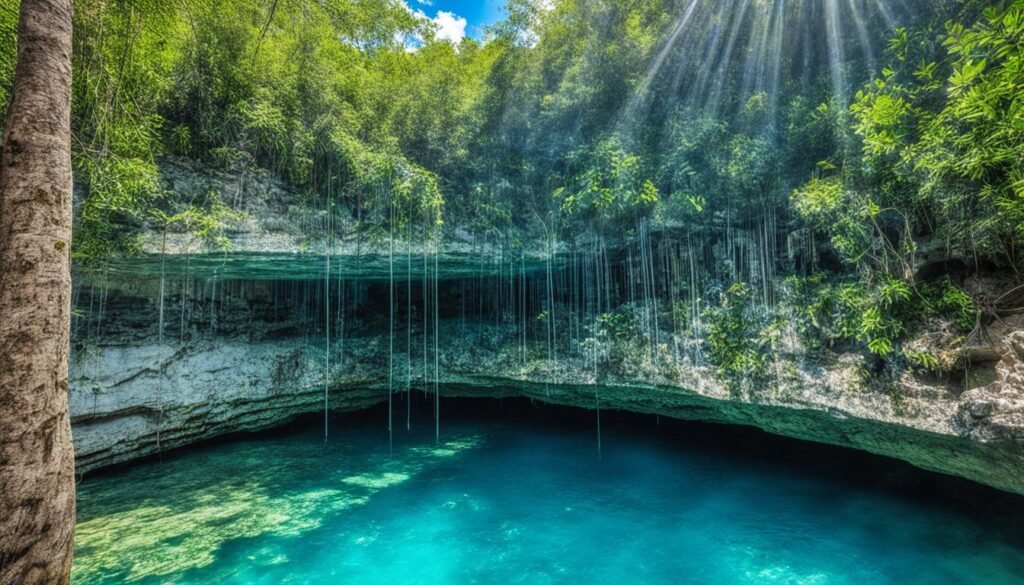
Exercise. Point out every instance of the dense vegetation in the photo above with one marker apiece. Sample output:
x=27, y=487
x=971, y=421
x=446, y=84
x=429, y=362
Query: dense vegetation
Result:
x=805, y=174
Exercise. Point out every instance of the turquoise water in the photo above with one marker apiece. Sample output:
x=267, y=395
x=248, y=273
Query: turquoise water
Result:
x=507, y=500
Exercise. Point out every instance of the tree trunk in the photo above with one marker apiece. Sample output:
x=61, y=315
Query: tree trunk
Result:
x=37, y=483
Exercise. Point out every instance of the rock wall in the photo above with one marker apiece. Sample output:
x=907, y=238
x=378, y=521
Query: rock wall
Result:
x=248, y=359
x=243, y=347
x=995, y=413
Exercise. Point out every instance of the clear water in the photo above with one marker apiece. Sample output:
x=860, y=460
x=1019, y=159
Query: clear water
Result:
x=507, y=501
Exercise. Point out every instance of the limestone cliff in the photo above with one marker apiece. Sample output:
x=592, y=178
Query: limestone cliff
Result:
x=133, y=394
x=272, y=330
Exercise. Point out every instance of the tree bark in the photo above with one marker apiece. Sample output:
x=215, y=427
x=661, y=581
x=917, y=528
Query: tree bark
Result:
x=37, y=484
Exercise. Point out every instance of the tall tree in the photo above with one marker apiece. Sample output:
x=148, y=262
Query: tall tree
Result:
x=37, y=486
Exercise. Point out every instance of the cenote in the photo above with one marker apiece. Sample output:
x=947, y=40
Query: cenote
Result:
x=513, y=291
x=516, y=493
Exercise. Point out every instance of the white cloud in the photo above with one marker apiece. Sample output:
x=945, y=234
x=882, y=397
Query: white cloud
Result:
x=450, y=27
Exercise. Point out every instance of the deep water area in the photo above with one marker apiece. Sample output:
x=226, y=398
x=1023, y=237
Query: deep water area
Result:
x=514, y=493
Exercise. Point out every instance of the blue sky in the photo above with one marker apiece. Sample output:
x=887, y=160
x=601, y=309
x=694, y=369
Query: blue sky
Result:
x=476, y=13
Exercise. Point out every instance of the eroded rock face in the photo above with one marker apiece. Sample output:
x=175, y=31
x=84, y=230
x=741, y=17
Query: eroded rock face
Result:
x=244, y=347
x=995, y=413
x=248, y=356
x=129, y=401
x=269, y=236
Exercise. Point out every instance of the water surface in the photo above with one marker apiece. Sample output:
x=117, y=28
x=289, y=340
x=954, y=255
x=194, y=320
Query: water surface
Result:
x=518, y=500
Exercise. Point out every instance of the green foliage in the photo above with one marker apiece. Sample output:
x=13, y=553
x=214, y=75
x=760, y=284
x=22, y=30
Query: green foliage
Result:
x=943, y=134
x=207, y=219
x=366, y=115
x=843, y=215
x=941, y=151
x=392, y=191
x=120, y=192
x=861, y=231
x=946, y=300
x=827, y=313
x=734, y=337
x=683, y=315
x=239, y=84
x=877, y=316
x=614, y=340
x=618, y=326
x=922, y=359
x=8, y=51
x=610, y=189
x=708, y=165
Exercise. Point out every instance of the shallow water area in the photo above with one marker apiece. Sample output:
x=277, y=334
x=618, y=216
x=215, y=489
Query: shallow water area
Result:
x=516, y=499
